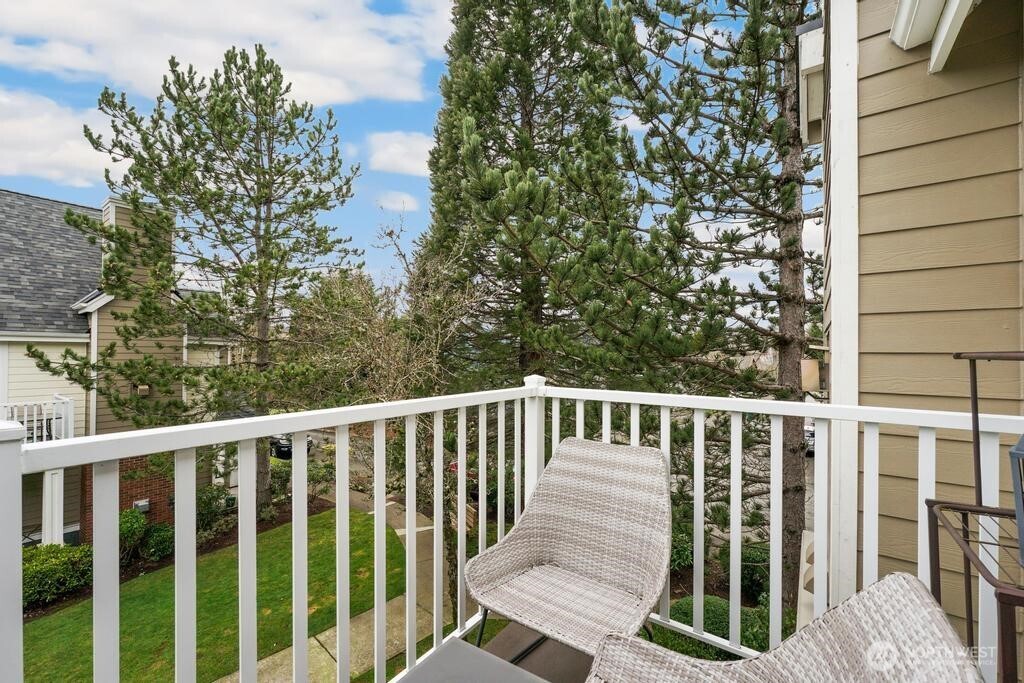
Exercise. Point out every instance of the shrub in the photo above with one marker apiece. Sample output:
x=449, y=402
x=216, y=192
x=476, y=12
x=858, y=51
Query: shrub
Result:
x=211, y=501
x=754, y=623
x=682, y=544
x=158, y=542
x=132, y=528
x=753, y=570
x=219, y=528
x=267, y=513
x=51, y=572
x=320, y=478
x=280, y=478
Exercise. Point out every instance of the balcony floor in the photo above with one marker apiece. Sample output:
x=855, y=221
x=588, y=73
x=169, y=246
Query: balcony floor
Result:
x=551, y=661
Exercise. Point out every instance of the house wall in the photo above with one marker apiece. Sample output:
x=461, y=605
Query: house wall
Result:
x=25, y=382
x=939, y=250
x=157, y=489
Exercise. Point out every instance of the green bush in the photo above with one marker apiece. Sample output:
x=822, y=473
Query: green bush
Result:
x=131, y=528
x=280, y=478
x=682, y=544
x=211, y=501
x=158, y=542
x=753, y=570
x=754, y=624
x=50, y=572
x=219, y=528
x=320, y=478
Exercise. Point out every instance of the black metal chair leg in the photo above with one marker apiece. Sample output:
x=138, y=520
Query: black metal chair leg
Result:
x=480, y=631
x=526, y=651
x=650, y=635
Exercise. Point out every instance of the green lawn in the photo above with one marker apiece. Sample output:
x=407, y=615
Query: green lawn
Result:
x=59, y=646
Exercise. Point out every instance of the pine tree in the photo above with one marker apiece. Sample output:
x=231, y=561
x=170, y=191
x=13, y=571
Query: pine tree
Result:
x=226, y=179
x=512, y=111
x=713, y=276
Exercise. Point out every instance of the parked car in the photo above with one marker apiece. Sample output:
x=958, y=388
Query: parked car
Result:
x=281, y=445
x=809, y=440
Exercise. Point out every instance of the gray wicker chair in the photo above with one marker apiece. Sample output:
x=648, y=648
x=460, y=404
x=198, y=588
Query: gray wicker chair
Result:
x=891, y=631
x=589, y=555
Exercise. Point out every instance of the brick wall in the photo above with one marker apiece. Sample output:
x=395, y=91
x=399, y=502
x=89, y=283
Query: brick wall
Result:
x=158, y=489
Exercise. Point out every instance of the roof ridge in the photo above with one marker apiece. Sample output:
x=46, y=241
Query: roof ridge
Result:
x=49, y=199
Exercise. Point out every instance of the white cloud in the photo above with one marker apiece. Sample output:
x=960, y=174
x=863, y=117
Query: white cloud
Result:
x=400, y=152
x=44, y=139
x=397, y=201
x=633, y=124
x=334, y=51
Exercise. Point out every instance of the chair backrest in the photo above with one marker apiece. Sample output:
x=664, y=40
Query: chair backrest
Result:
x=893, y=630
x=603, y=510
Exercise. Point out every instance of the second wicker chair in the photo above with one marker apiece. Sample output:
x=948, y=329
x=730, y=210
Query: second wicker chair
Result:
x=590, y=552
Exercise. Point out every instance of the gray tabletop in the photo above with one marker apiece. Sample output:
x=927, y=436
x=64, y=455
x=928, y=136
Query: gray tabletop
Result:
x=459, y=662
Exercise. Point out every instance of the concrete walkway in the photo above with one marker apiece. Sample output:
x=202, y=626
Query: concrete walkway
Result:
x=322, y=647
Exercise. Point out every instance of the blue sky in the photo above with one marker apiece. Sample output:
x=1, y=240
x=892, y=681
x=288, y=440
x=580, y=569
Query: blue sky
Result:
x=376, y=64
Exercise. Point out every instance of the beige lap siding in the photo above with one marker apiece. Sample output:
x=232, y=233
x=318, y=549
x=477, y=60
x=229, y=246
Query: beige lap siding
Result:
x=940, y=251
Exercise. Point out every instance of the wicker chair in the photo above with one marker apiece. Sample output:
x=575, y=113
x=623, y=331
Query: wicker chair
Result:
x=891, y=631
x=589, y=555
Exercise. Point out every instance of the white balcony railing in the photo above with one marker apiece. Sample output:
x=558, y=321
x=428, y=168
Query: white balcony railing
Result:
x=42, y=421
x=835, y=507
x=45, y=420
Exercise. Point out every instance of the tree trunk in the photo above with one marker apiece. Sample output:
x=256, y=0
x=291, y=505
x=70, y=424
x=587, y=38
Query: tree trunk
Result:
x=531, y=360
x=792, y=320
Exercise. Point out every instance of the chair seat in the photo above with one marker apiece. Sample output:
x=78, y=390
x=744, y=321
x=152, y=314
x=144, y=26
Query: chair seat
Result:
x=563, y=605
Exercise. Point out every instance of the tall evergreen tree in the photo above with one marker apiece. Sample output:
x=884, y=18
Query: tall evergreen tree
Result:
x=714, y=275
x=512, y=110
x=227, y=179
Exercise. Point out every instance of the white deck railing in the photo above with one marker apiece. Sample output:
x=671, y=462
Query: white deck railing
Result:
x=835, y=527
x=46, y=420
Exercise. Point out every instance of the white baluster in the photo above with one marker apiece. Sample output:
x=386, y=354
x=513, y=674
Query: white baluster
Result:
x=247, y=653
x=185, y=565
x=342, y=453
x=438, y=597
x=775, y=534
x=735, y=523
x=300, y=560
x=380, y=588
x=410, y=541
x=698, y=521
x=821, y=484
x=11, y=638
x=106, y=571
x=870, y=544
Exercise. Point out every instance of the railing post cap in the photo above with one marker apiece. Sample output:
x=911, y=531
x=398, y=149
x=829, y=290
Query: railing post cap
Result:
x=534, y=380
x=11, y=431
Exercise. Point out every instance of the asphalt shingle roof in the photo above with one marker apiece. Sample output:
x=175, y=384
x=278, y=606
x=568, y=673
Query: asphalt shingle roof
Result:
x=45, y=265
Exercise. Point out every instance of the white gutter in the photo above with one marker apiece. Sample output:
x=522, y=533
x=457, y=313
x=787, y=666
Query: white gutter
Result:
x=937, y=21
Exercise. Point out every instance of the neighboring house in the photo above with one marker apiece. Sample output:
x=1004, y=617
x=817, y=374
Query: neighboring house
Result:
x=48, y=297
x=923, y=145
x=45, y=266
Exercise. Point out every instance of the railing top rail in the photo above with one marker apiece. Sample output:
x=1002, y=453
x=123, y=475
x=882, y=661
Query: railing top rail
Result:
x=39, y=457
x=938, y=419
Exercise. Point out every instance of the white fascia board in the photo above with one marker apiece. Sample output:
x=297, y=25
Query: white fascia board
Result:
x=43, y=337
x=950, y=23
x=915, y=22
x=94, y=304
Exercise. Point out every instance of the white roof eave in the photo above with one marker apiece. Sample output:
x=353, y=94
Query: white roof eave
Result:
x=937, y=21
